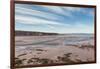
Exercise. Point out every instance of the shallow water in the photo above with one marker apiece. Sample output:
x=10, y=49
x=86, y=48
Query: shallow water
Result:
x=58, y=41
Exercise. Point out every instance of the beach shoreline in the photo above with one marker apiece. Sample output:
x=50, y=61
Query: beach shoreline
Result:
x=37, y=50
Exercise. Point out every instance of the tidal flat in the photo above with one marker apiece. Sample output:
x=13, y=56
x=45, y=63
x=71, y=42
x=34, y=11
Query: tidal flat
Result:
x=53, y=49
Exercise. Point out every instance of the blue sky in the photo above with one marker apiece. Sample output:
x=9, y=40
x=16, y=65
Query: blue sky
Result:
x=56, y=19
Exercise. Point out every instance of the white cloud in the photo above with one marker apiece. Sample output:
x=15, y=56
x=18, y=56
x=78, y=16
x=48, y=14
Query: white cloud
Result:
x=33, y=20
x=58, y=10
x=37, y=21
x=28, y=11
x=50, y=20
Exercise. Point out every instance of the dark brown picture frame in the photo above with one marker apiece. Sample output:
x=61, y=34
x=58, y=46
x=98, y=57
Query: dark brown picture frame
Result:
x=12, y=30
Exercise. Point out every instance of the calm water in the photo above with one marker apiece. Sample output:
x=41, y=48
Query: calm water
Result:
x=59, y=40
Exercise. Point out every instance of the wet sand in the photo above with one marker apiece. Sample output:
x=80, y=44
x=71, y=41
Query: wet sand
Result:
x=53, y=49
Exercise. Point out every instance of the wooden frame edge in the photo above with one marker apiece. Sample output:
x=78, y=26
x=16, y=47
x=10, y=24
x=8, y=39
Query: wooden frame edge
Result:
x=12, y=30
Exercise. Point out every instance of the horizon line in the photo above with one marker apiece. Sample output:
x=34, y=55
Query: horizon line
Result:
x=55, y=32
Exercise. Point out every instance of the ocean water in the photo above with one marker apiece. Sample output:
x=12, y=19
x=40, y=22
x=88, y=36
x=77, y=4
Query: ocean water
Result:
x=76, y=39
x=59, y=40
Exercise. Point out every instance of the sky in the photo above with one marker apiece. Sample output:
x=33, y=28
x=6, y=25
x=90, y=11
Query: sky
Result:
x=54, y=19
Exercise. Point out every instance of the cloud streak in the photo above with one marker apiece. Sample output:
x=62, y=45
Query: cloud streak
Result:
x=53, y=18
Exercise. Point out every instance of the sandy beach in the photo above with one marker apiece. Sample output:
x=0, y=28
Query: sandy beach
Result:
x=33, y=50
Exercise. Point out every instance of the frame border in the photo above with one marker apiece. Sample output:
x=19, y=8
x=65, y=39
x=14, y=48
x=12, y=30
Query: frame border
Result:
x=12, y=31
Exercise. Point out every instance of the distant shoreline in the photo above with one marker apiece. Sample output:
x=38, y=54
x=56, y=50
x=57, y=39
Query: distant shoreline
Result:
x=34, y=33
x=29, y=33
